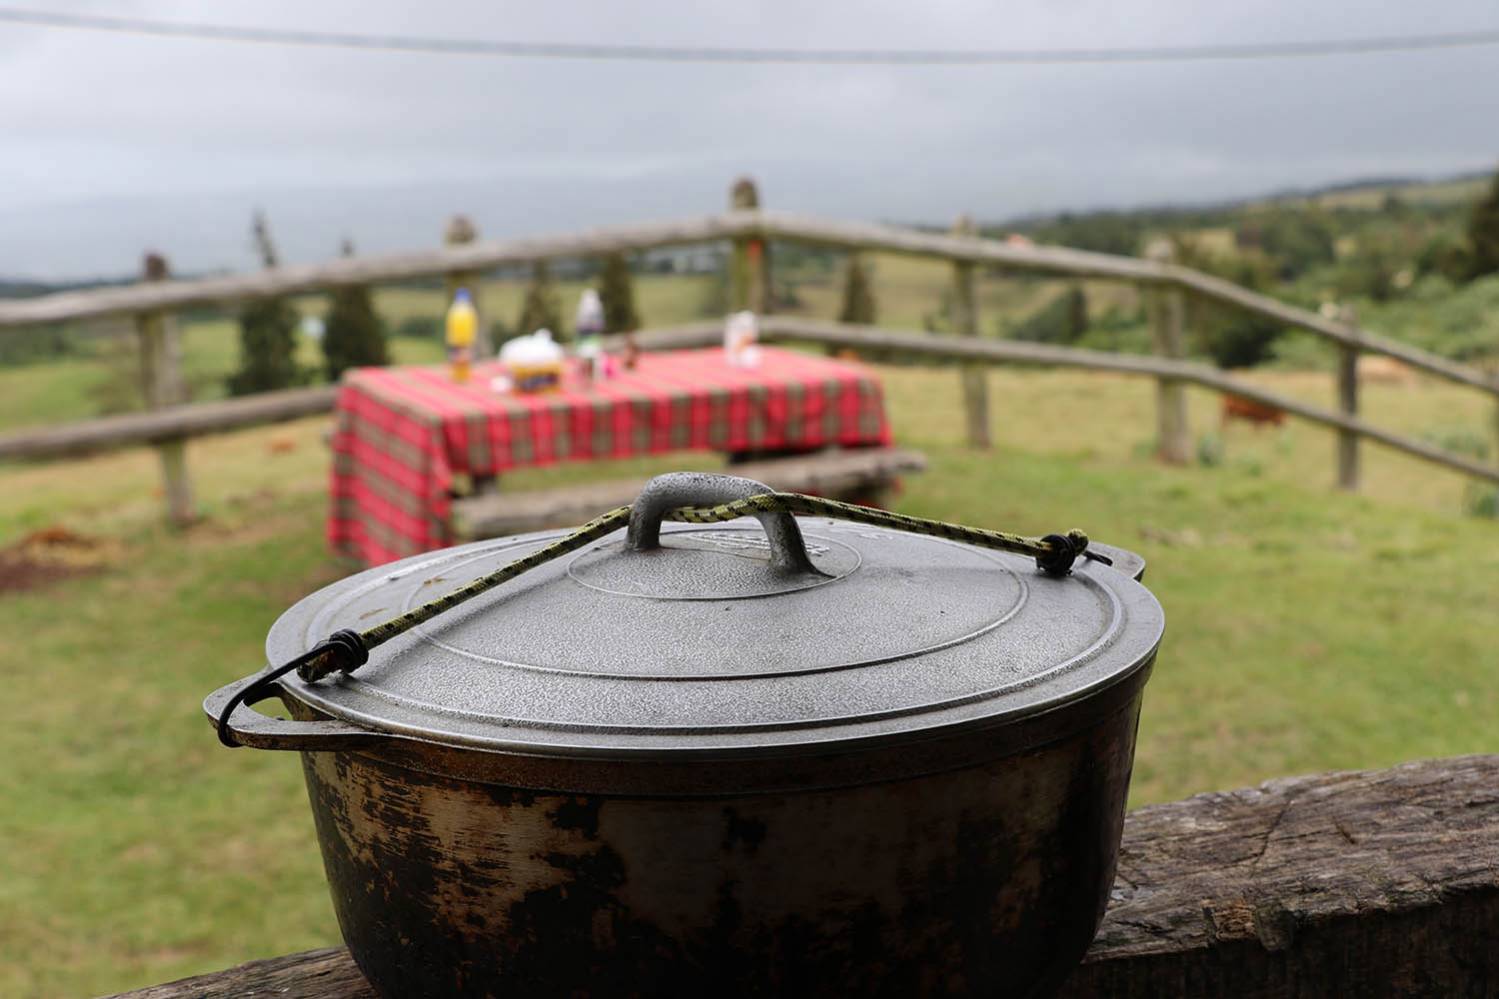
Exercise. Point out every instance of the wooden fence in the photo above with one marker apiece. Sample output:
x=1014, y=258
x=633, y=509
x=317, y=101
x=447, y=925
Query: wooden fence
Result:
x=749, y=229
x=1365, y=883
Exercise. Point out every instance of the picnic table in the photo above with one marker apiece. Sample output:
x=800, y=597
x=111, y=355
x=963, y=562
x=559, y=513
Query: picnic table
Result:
x=406, y=440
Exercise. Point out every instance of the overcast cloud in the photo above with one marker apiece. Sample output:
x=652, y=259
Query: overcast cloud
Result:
x=110, y=144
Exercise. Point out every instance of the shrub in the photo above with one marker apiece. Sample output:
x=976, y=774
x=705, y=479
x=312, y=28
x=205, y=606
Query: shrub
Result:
x=541, y=308
x=1483, y=234
x=617, y=293
x=267, y=348
x=1210, y=450
x=858, y=297
x=353, y=336
x=267, y=333
x=1481, y=501
x=1242, y=341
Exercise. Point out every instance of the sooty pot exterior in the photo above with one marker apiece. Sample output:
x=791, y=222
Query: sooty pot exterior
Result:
x=987, y=880
x=808, y=757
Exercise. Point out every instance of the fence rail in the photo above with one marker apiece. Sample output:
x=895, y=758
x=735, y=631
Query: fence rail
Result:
x=746, y=226
x=174, y=423
x=733, y=225
x=181, y=422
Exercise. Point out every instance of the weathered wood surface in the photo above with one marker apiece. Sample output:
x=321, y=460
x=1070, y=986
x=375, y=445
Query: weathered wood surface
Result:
x=1168, y=308
x=171, y=424
x=217, y=417
x=291, y=280
x=1253, y=302
x=1173, y=432
x=742, y=224
x=162, y=387
x=1348, y=463
x=316, y=974
x=1046, y=355
x=837, y=473
x=965, y=322
x=1368, y=883
x=1365, y=883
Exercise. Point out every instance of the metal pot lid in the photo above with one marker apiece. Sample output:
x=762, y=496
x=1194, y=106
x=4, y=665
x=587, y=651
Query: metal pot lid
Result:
x=708, y=644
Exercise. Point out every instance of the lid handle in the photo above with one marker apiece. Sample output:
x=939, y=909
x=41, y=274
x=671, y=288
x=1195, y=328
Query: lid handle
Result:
x=664, y=493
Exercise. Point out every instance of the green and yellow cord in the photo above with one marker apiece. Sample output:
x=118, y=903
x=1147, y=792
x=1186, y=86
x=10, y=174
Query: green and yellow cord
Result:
x=1054, y=554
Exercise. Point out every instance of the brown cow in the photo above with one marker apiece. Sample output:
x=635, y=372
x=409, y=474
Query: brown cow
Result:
x=1236, y=407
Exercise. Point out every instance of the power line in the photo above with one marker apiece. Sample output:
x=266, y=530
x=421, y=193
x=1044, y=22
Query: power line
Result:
x=707, y=54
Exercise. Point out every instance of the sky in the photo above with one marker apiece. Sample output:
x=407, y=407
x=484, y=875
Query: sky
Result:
x=114, y=144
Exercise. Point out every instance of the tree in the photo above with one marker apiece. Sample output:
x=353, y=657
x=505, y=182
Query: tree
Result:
x=858, y=297
x=541, y=308
x=1232, y=337
x=353, y=336
x=267, y=332
x=1297, y=241
x=617, y=292
x=1483, y=234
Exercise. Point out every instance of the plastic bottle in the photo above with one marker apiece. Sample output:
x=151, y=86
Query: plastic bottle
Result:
x=590, y=324
x=740, y=333
x=462, y=328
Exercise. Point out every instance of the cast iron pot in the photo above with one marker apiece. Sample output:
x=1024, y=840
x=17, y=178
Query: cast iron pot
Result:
x=738, y=760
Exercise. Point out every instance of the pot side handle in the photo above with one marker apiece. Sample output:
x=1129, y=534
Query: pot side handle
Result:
x=259, y=731
x=1130, y=563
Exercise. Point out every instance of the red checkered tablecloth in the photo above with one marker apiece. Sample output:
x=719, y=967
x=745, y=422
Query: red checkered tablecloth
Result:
x=401, y=435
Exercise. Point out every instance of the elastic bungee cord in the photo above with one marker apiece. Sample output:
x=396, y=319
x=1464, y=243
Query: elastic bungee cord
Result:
x=347, y=650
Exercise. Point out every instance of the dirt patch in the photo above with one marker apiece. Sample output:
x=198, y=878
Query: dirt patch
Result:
x=49, y=555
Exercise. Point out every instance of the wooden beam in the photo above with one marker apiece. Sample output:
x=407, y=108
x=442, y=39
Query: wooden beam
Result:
x=749, y=264
x=1348, y=470
x=965, y=322
x=1044, y=355
x=1362, y=883
x=162, y=387
x=738, y=224
x=1228, y=293
x=985, y=252
x=1168, y=321
x=174, y=424
x=217, y=417
x=295, y=279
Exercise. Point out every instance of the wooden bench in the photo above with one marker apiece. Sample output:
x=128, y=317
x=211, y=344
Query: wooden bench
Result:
x=1366, y=883
x=861, y=474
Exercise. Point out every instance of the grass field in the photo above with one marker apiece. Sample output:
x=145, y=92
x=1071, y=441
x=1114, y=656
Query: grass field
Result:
x=1307, y=630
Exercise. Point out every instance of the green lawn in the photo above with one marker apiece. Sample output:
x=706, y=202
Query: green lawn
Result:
x=1307, y=630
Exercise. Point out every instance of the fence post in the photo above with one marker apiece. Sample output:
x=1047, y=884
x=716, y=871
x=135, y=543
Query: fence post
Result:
x=965, y=322
x=1348, y=470
x=459, y=231
x=161, y=386
x=1173, y=435
x=749, y=265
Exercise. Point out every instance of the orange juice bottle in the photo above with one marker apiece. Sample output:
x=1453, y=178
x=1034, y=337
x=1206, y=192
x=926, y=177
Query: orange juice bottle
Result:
x=462, y=328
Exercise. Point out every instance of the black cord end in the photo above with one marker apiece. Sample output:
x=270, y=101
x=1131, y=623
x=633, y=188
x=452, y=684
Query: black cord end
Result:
x=1065, y=550
x=341, y=651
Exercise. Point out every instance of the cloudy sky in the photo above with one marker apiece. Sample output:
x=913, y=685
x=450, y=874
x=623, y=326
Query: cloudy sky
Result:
x=111, y=143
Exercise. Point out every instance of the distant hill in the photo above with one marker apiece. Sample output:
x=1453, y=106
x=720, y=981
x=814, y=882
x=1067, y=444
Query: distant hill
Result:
x=1358, y=194
x=1362, y=193
x=28, y=288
